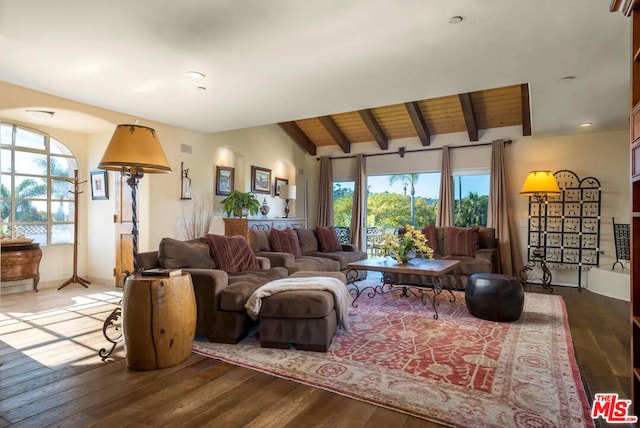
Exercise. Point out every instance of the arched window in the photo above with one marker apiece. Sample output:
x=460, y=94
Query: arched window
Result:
x=36, y=173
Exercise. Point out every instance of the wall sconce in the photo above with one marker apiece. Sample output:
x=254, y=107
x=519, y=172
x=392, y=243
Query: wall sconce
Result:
x=185, y=182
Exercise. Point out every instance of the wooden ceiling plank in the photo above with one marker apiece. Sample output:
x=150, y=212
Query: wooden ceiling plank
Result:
x=374, y=127
x=299, y=137
x=469, y=117
x=526, y=110
x=418, y=122
x=335, y=133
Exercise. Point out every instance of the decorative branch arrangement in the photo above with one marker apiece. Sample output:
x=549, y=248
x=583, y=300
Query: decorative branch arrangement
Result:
x=198, y=217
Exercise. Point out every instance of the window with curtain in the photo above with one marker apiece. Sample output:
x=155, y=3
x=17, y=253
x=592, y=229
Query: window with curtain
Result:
x=471, y=199
x=35, y=198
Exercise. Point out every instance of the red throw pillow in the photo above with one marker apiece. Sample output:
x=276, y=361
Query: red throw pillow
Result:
x=232, y=253
x=328, y=238
x=432, y=237
x=462, y=241
x=285, y=241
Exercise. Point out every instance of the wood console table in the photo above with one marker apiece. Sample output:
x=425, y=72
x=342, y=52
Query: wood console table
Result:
x=241, y=226
x=20, y=261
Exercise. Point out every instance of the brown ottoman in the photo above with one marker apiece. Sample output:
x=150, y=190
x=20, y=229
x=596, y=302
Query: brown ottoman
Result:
x=305, y=318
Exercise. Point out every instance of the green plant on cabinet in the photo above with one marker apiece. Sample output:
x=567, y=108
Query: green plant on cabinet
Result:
x=240, y=204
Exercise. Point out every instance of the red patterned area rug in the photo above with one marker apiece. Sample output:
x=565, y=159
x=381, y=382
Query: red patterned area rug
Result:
x=458, y=370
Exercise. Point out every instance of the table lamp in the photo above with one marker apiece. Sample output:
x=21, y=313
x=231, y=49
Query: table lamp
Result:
x=134, y=150
x=287, y=192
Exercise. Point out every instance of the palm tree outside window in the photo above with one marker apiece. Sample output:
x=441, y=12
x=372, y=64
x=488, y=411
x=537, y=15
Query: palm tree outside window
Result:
x=35, y=198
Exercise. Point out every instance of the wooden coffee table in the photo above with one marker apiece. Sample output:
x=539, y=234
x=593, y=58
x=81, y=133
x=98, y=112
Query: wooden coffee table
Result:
x=435, y=270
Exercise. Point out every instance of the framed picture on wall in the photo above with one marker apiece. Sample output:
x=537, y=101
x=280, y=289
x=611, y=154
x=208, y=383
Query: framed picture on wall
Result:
x=99, y=184
x=279, y=182
x=224, y=180
x=260, y=180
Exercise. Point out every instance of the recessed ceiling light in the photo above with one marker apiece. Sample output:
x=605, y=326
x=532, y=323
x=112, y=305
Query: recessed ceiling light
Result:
x=455, y=20
x=201, y=88
x=586, y=124
x=195, y=74
x=567, y=78
x=40, y=114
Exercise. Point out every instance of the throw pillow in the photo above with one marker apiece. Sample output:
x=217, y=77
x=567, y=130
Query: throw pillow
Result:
x=232, y=253
x=432, y=237
x=285, y=241
x=175, y=254
x=462, y=241
x=308, y=240
x=328, y=238
x=259, y=240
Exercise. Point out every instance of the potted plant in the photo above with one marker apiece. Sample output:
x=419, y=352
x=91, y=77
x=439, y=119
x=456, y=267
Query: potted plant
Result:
x=240, y=204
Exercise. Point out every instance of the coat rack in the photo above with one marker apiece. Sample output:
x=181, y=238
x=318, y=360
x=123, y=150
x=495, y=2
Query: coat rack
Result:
x=75, y=279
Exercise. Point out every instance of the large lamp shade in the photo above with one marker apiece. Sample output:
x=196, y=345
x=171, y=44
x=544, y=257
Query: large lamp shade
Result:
x=540, y=183
x=135, y=148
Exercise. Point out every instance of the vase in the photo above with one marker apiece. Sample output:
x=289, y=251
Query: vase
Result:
x=411, y=254
x=264, y=208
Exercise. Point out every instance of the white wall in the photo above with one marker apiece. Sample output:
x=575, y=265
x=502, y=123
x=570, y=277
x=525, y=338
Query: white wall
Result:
x=604, y=156
x=161, y=212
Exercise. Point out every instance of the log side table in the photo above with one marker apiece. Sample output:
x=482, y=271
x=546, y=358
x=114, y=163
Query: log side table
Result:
x=158, y=320
x=20, y=261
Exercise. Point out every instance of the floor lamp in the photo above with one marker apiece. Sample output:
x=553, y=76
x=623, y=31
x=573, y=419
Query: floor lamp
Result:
x=133, y=150
x=538, y=186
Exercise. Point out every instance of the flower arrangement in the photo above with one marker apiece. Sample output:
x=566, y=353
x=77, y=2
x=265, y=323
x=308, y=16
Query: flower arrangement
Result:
x=413, y=243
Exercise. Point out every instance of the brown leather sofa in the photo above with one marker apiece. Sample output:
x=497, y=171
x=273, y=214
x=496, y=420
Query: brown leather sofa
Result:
x=220, y=296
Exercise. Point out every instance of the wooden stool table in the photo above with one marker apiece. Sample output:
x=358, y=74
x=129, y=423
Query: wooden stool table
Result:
x=158, y=320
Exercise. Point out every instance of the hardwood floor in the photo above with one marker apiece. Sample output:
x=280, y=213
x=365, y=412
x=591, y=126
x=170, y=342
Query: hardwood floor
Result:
x=52, y=376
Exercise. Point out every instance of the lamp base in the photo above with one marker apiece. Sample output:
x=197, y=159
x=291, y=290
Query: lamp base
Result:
x=538, y=257
x=286, y=209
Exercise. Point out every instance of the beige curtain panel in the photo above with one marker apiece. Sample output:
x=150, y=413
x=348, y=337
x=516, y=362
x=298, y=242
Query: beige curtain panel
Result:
x=500, y=216
x=325, y=193
x=445, y=205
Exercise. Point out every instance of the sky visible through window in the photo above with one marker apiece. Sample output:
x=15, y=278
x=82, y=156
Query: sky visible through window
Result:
x=428, y=185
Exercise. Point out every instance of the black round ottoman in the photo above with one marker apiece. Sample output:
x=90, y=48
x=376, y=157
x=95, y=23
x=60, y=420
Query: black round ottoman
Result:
x=494, y=297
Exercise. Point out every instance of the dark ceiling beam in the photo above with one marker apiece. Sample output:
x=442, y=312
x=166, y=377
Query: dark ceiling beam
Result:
x=469, y=116
x=418, y=122
x=526, y=110
x=298, y=135
x=374, y=127
x=335, y=132
x=624, y=6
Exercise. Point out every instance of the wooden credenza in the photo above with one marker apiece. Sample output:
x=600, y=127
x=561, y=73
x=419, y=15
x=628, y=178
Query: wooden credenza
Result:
x=21, y=261
x=241, y=226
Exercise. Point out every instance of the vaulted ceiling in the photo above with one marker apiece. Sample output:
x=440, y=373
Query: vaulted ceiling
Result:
x=267, y=62
x=468, y=112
